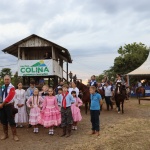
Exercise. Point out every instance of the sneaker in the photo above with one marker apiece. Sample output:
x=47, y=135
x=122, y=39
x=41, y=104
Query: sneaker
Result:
x=75, y=128
x=36, y=130
x=21, y=126
x=50, y=132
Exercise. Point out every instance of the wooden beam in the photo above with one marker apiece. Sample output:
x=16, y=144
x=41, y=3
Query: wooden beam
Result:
x=23, y=54
x=67, y=71
x=18, y=53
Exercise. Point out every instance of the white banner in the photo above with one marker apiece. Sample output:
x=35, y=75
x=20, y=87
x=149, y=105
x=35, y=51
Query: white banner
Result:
x=35, y=67
x=58, y=71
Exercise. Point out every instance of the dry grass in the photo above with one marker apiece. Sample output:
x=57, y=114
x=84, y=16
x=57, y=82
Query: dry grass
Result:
x=130, y=131
x=133, y=134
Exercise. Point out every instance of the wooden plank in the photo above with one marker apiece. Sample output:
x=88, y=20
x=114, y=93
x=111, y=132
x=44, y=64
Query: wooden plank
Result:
x=146, y=99
x=35, y=42
x=23, y=55
x=18, y=53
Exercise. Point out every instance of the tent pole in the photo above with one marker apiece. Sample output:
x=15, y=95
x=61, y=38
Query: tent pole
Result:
x=128, y=80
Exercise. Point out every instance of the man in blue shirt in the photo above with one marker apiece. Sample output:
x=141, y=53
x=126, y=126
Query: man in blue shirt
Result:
x=96, y=101
x=65, y=100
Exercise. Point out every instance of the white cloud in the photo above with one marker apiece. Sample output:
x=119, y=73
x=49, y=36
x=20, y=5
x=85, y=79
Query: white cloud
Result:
x=92, y=31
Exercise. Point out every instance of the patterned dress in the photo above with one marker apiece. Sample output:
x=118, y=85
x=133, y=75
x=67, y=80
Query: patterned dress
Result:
x=36, y=103
x=75, y=110
x=50, y=114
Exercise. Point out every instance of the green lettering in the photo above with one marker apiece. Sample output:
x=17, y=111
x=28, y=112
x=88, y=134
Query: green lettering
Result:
x=28, y=70
x=40, y=69
x=33, y=70
x=22, y=70
x=46, y=70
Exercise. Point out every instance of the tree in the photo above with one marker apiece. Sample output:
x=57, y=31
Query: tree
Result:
x=5, y=71
x=131, y=56
x=16, y=79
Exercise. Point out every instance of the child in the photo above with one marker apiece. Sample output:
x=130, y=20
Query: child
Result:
x=75, y=110
x=44, y=91
x=35, y=103
x=93, y=81
x=57, y=97
x=50, y=114
x=66, y=99
x=108, y=89
x=29, y=93
x=21, y=117
x=96, y=101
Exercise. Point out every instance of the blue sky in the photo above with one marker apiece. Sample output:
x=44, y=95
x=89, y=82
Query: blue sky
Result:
x=92, y=30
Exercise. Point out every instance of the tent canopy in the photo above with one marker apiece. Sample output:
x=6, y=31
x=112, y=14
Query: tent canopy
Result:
x=144, y=69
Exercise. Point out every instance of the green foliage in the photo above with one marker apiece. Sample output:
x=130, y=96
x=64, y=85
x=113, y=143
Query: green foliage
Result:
x=99, y=78
x=16, y=79
x=5, y=71
x=131, y=56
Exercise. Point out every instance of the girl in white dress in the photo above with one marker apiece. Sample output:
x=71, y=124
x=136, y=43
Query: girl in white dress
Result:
x=21, y=117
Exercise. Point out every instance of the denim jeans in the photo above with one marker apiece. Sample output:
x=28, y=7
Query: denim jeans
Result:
x=95, y=120
x=108, y=101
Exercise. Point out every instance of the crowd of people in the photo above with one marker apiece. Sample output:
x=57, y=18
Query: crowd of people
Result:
x=49, y=107
x=19, y=107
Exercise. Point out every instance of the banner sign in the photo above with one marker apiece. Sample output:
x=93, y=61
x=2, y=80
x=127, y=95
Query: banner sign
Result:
x=35, y=67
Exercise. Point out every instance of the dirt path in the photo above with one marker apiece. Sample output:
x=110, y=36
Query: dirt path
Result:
x=128, y=131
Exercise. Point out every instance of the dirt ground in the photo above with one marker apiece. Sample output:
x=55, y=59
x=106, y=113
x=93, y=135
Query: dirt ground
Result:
x=130, y=131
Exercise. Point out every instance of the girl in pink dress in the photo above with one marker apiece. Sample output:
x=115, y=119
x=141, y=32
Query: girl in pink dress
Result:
x=50, y=114
x=35, y=103
x=75, y=110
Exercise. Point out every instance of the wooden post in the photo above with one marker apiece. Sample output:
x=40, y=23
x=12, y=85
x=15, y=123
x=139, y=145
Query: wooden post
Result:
x=128, y=80
x=28, y=80
x=61, y=65
x=18, y=53
x=49, y=81
x=67, y=71
x=55, y=81
x=23, y=55
x=23, y=80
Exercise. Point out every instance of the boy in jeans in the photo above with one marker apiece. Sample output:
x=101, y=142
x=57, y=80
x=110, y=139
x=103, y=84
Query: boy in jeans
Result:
x=96, y=101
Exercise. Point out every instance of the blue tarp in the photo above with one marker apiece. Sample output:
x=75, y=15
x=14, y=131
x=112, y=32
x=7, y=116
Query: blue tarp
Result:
x=147, y=92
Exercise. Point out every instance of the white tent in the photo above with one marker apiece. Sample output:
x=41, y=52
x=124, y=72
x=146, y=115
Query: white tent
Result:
x=144, y=69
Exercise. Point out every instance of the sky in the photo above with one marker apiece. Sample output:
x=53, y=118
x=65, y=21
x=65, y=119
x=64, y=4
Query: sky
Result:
x=92, y=30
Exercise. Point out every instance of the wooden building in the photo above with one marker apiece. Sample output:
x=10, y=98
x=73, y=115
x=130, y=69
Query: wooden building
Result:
x=30, y=52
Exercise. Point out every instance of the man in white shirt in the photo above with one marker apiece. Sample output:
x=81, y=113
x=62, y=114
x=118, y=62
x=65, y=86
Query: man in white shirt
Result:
x=139, y=84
